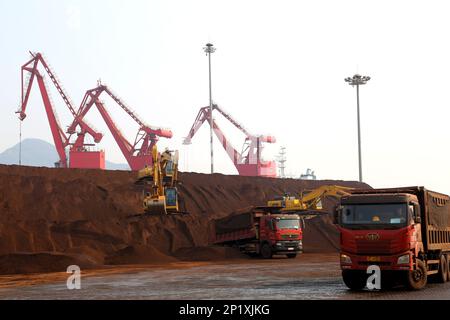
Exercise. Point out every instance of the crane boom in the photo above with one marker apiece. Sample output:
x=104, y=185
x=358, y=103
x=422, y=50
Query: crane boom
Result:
x=203, y=114
x=60, y=139
x=33, y=71
x=137, y=156
x=234, y=155
x=58, y=134
x=248, y=162
x=232, y=120
x=123, y=143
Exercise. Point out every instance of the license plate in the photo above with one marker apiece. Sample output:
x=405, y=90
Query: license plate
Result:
x=290, y=248
x=373, y=259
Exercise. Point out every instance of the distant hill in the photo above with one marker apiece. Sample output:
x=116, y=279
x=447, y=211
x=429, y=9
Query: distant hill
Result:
x=40, y=153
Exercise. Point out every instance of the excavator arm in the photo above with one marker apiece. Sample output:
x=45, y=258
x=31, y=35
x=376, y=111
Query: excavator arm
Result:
x=310, y=202
x=311, y=199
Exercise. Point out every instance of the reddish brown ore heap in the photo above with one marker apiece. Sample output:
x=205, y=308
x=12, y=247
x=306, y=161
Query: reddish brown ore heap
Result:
x=52, y=217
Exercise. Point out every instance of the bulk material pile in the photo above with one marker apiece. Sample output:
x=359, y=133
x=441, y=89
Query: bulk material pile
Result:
x=51, y=218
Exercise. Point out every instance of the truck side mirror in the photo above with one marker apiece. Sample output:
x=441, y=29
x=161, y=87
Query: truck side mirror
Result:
x=417, y=218
x=337, y=214
x=302, y=224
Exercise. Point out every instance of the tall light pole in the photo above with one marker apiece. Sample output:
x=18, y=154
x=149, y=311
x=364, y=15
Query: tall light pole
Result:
x=358, y=80
x=210, y=49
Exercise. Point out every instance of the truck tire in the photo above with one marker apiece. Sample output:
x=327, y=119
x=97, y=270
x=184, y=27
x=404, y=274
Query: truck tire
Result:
x=443, y=269
x=291, y=255
x=266, y=251
x=354, y=279
x=417, y=279
x=448, y=267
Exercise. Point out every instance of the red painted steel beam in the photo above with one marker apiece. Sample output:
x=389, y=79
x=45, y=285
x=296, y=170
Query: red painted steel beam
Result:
x=248, y=162
x=137, y=157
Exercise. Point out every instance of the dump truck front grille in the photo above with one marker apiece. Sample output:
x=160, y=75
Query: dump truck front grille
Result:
x=377, y=263
x=377, y=246
x=289, y=236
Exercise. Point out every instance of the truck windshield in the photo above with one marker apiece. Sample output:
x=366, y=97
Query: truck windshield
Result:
x=394, y=215
x=288, y=224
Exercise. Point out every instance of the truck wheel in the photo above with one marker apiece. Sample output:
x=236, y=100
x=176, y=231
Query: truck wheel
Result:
x=443, y=269
x=448, y=267
x=266, y=251
x=354, y=280
x=417, y=279
x=291, y=255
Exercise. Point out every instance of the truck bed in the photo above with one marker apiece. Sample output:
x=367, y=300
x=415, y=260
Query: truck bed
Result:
x=233, y=236
x=238, y=226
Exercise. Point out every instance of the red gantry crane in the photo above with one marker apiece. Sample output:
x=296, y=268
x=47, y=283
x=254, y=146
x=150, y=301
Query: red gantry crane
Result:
x=137, y=154
x=248, y=162
x=79, y=155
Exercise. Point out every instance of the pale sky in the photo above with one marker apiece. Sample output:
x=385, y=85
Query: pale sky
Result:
x=279, y=68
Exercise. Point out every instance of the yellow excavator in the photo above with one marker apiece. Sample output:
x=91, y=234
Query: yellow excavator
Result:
x=308, y=201
x=160, y=183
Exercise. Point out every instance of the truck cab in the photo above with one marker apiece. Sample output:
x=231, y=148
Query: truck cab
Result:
x=260, y=232
x=279, y=234
x=389, y=228
x=379, y=229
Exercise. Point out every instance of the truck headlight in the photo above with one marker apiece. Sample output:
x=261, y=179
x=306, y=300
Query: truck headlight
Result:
x=404, y=259
x=345, y=259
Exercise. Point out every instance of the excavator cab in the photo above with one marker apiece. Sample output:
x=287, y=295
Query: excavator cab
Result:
x=169, y=168
x=286, y=200
x=169, y=171
x=171, y=199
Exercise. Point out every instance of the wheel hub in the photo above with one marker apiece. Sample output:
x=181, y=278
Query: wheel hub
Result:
x=417, y=275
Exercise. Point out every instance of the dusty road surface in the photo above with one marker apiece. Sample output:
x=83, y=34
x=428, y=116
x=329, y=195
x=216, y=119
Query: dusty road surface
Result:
x=310, y=276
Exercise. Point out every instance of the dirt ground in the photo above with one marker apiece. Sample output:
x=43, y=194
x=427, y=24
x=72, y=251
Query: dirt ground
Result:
x=309, y=276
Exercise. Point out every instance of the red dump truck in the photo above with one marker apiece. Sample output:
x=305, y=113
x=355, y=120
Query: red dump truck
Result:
x=260, y=232
x=403, y=231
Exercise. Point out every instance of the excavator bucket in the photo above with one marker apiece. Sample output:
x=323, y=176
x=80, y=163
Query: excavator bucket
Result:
x=155, y=206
